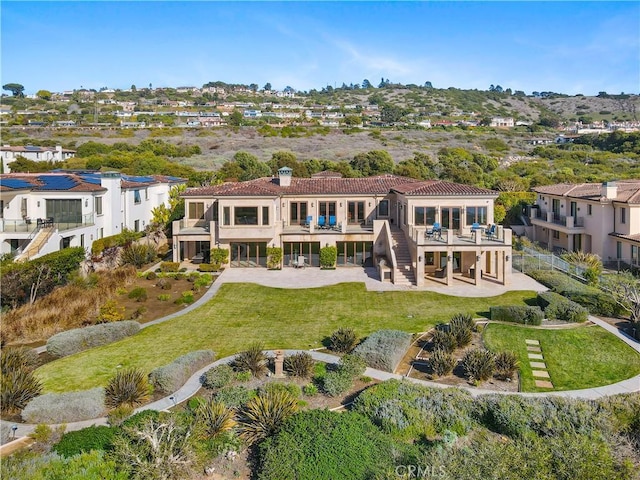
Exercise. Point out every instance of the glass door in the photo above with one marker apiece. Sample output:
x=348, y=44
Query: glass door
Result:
x=450, y=218
x=355, y=212
x=298, y=213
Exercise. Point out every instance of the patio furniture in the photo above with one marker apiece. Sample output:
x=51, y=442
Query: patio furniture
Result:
x=490, y=232
x=475, y=227
x=435, y=231
x=332, y=221
x=197, y=258
x=300, y=262
x=308, y=221
x=321, y=222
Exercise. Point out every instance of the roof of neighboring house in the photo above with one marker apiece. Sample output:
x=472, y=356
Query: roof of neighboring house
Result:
x=75, y=181
x=633, y=238
x=32, y=149
x=333, y=185
x=628, y=191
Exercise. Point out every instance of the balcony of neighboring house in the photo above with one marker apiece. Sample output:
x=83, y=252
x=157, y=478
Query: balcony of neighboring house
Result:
x=29, y=225
x=486, y=235
x=557, y=221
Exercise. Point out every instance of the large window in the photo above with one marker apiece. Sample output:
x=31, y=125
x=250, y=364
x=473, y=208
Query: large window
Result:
x=424, y=215
x=65, y=211
x=383, y=208
x=265, y=215
x=355, y=212
x=196, y=210
x=353, y=254
x=226, y=215
x=98, y=205
x=298, y=214
x=136, y=197
x=327, y=209
x=623, y=215
x=245, y=215
x=476, y=215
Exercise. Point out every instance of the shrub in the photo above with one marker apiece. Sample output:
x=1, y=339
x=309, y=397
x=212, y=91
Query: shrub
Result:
x=352, y=365
x=555, y=306
x=166, y=267
x=310, y=390
x=170, y=377
x=442, y=362
x=139, y=294
x=408, y=410
x=151, y=275
x=95, y=437
x=264, y=414
x=384, y=349
x=164, y=284
x=461, y=326
x=478, y=364
x=79, y=339
x=299, y=365
x=293, y=389
x=274, y=257
x=217, y=377
x=123, y=238
x=110, y=311
x=138, y=254
x=119, y=414
x=251, y=360
x=214, y=418
x=328, y=256
x=86, y=466
x=343, y=340
x=243, y=376
x=234, y=397
x=203, y=280
x=524, y=314
x=444, y=340
x=187, y=296
x=18, y=385
x=129, y=387
x=16, y=358
x=164, y=297
x=319, y=444
x=461, y=320
x=219, y=256
x=592, y=298
x=506, y=365
x=65, y=407
x=209, y=267
x=336, y=383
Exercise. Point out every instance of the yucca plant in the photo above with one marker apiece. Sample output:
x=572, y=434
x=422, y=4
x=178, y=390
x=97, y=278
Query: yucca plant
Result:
x=444, y=340
x=462, y=333
x=18, y=358
x=138, y=254
x=214, y=418
x=252, y=360
x=461, y=320
x=299, y=365
x=343, y=340
x=17, y=388
x=264, y=414
x=442, y=363
x=478, y=364
x=506, y=365
x=128, y=387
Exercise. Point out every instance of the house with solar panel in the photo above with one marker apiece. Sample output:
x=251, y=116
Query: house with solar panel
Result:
x=414, y=232
x=44, y=212
x=32, y=152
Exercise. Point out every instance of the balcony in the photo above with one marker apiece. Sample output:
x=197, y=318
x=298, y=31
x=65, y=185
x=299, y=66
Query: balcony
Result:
x=463, y=238
x=27, y=225
x=569, y=222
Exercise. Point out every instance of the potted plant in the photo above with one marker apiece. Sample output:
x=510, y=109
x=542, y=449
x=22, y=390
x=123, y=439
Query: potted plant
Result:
x=274, y=258
x=328, y=257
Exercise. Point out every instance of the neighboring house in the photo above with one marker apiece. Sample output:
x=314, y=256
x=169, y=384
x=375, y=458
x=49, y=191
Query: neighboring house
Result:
x=591, y=217
x=502, y=122
x=381, y=221
x=45, y=212
x=31, y=152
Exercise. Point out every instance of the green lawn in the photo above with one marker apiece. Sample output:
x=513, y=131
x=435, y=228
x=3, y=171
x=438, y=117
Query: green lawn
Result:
x=580, y=357
x=280, y=318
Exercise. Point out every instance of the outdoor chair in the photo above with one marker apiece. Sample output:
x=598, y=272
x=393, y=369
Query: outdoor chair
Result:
x=321, y=222
x=332, y=221
x=308, y=221
x=490, y=232
x=435, y=231
x=475, y=227
x=300, y=263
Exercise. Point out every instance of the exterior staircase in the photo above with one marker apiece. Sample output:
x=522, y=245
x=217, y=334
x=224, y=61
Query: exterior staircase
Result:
x=34, y=246
x=403, y=274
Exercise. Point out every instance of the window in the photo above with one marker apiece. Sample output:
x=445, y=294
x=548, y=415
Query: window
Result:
x=429, y=258
x=1, y=208
x=23, y=208
x=298, y=212
x=555, y=205
x=635, y=255
x=355, y=212
x=589, y=209
x=476, y=215
x=424, y=215
x=226, y=215
x=245, y=215
x=65, y=211
x=136, y=197
x=623, y=215
x=327, y=209
x=136, y=225
x=383, y=208
x=100, y=233
x=405, y=214
x=618, y=250
x=98, y=205
x=265, y=215
x=556, y=234
x=196, y=210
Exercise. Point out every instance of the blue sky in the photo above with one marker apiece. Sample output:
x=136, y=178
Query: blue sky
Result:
x=568, y=47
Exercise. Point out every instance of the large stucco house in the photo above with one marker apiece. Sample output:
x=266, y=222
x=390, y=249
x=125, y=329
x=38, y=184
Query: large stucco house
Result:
x=44, y=212
x=386, y=221
x=600, y=218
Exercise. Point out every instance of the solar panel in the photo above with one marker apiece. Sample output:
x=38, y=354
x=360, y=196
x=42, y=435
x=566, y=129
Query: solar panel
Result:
x=56, y=182
x=91, y=178
x=15, y=183
x=140, y=179
x=32, y=148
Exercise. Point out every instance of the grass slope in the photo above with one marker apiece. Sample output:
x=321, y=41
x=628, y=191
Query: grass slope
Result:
x=576, y=358
x=280, y=318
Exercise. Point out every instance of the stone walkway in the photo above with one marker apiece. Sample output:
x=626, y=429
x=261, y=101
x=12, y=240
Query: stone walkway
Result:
x=538, y=367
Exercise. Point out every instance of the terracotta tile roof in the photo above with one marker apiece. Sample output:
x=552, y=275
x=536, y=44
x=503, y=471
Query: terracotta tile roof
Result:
x=378, y=185
x=327, y=174
x=633, y=238
x=628, y=191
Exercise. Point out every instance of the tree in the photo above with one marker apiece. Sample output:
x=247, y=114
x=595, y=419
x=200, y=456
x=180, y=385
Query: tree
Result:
x=16, y=89
x=253, y=87
x=133, y=88
x=428, y=85
x=625, y=289
x=267, y=87
x=392, y=113
x=375, y=162
x=44, y=94
x=366, y=84
x=235, y=118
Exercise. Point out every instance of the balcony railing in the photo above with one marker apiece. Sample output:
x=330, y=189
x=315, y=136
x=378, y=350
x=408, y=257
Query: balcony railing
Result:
x=31, y=225
x=557, y=219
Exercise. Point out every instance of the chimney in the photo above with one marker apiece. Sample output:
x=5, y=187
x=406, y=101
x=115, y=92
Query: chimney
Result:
x=610, y=190
x=284, y=176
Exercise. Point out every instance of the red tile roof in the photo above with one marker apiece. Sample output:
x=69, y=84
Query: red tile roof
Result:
x=627, y=191
x=378, y=185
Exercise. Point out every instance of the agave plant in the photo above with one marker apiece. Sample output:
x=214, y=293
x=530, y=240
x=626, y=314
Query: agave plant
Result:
x=129, y=387
x=444, y=340
x=343, y=340
x=264, y=414
x=252, y=360
x=299, y=365
x=506, y=365
x=17, y=388
x=442, y=363
x=214, y=418
x=478, y=364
